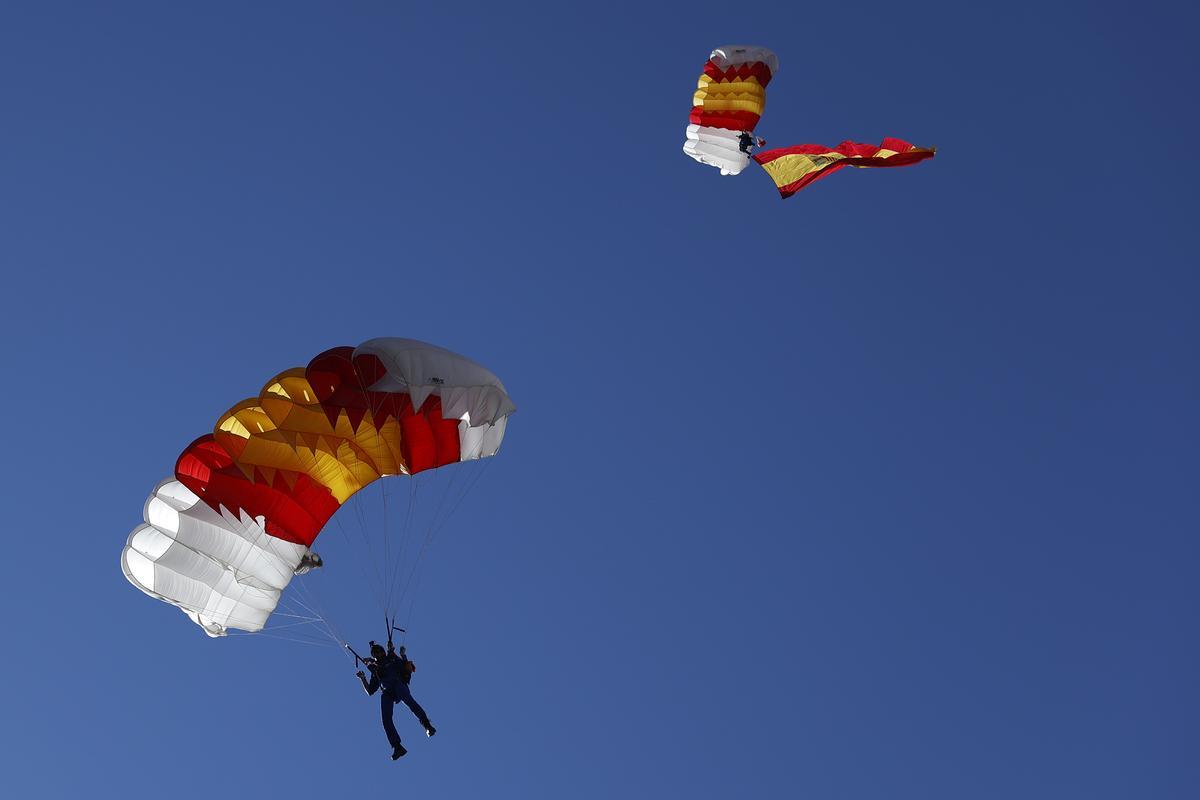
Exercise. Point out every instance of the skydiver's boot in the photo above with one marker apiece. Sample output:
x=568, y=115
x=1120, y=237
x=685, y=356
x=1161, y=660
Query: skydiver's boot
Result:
x=398, y=751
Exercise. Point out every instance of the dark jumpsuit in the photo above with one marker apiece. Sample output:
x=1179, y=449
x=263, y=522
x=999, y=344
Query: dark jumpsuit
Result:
x=392, y=673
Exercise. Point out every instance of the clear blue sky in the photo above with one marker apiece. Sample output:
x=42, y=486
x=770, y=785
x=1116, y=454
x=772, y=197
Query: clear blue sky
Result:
x=885, y=491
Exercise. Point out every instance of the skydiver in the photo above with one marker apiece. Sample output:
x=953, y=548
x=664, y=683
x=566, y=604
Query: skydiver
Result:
x=746, y=141
x=393, y=671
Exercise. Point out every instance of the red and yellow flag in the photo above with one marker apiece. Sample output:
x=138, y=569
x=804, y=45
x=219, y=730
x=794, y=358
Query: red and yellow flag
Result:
x=793, y=168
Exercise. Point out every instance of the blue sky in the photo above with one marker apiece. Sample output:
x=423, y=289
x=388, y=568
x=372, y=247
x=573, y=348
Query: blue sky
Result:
x=884, y=491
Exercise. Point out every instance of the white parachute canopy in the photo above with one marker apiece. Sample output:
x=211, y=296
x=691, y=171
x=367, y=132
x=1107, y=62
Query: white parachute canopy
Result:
x=223, y=571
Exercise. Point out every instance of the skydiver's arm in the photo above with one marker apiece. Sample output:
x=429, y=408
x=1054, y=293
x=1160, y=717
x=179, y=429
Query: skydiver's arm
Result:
x=373, y=686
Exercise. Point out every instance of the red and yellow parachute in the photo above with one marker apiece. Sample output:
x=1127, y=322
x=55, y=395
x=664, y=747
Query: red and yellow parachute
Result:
x=729, y=100
x=730, y=97
x=223, y=537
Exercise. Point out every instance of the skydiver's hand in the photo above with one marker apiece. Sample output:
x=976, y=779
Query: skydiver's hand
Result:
x=361, y=675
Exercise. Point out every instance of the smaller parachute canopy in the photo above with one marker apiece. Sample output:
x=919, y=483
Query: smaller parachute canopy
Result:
x=730, y=96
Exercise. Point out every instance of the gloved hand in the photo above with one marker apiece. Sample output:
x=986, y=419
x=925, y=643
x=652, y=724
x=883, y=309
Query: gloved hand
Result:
x=361, y=674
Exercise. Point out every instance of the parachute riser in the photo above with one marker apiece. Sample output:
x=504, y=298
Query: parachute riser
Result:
x=391, y=626
x=357, y=658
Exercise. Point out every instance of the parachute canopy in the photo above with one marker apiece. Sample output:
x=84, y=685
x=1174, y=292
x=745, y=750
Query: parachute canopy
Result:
x=729, y=99
x=224, y=536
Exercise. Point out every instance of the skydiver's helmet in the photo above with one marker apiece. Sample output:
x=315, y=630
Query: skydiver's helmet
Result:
x=377, y=651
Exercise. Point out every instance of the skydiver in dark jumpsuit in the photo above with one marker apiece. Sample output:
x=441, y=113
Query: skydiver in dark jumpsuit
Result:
x=746, y=141
x=393, y=671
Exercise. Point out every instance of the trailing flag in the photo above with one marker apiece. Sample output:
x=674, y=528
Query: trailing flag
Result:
x=793, y=168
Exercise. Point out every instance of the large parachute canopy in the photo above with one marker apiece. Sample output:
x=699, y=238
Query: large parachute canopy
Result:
x=223, y=537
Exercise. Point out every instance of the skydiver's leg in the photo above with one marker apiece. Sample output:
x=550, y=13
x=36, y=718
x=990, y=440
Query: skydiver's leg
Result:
x=415, y=708
x=386, y=704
